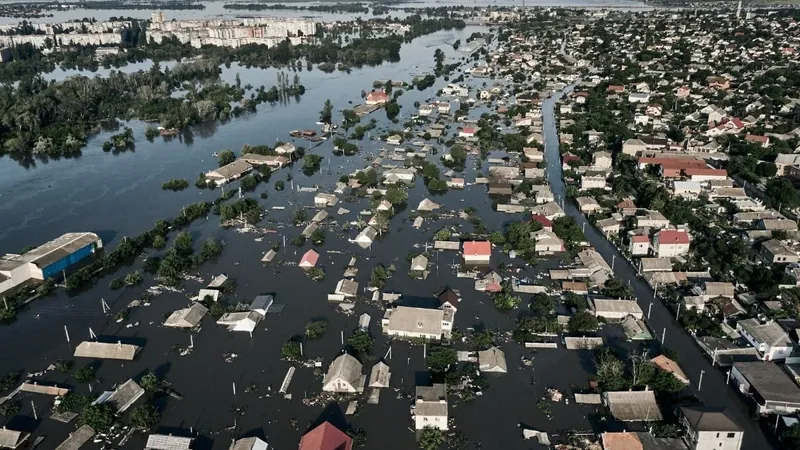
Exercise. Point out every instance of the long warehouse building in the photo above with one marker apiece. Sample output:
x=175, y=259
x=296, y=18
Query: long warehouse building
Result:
x=47, y=260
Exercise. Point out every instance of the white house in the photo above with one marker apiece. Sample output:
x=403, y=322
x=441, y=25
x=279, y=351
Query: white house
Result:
x=593, y=182
x=477, y=252
x=638, y=97
x=687, y=189
x=344, y=376
x=710, y=429
x=285, y=149
x=670, y=243
x=547, y=242
x=241, y=321
x=423, y=323
x=376, y=98
x=768, y=338
x=639, y=245
x=467, y=132
x=365, y=237
x=430, y=408
x=602, y=160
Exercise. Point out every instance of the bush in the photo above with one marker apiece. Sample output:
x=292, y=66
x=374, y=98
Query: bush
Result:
x=291, y=350
x=316, y=328
x=100, y=417
x=360, y=341
x=144, y=417
x=85, y=374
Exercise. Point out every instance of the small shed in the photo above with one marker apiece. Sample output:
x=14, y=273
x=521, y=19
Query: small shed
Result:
x=187, y=317
x=363, y=321
x=262, y=303
x=270, y=255
x=379, y=376
x=492, y=360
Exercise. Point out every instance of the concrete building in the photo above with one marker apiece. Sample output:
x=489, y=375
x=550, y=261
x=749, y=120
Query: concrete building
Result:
x=547, y=242
x=593, y=182
x=776, y=252
x=633, y=147
x=430, y=408
x=670, y=243
x=48, y=260
x=422, y=323
x=710, y=429
x=477, y=252
x=773, y=390
x=269, y=31
x=652, y=219
x=768, y=338
x=344, y=376
x=639, y=245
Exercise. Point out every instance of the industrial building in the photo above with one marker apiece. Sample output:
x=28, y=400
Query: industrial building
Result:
x=48, y=260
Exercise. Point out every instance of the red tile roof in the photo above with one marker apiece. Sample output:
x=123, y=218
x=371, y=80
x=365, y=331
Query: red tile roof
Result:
x=469, y=130
x=326, y=437
x=672, y=237
x=640, y=238
x=546, y=223
x=478, y=248
x=754, y=138
x=309, y=259
x=622, y=441
x=377, y=95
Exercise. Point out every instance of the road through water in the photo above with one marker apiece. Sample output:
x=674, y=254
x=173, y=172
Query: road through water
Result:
x=715, y=392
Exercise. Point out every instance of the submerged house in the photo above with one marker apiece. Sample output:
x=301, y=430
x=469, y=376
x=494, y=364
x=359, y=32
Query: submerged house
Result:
x=344, y=376
x=103, y=350
x=241, y=321
x=187, y=317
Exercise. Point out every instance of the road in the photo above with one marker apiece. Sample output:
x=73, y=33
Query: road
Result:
x=714, y=392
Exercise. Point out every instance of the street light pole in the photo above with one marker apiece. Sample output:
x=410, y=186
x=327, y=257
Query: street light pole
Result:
x=613, y=260
x=663, y=335
x=678, y=313
x=700, y=383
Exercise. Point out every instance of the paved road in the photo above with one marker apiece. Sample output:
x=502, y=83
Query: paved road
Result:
x=714, y=392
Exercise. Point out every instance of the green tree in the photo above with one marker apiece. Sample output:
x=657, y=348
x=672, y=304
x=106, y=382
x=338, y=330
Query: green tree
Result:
x=291, y=350
x=666, y=382
x=482, y=340
x=360, y=341
x=9, y=408
x=159, y=241
x=431, y=438
x=392, y=110
x=610, y=369
x=350, y=118
x=100, y=417
x=440, y=358
x=144, y=417
x=316, y=328
x=396, y=195
x=151, y=382
x=615, y=288
x=85, y=374
x=326, y=115
x=790, y=437
x=226, y=157
x=280, y=185
x=781, y=193
x=582, y=322
x=318, y=237
x=504, y=301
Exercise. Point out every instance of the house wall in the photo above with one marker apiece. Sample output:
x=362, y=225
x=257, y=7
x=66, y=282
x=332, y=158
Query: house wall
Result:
x=670, y=250
x=476, y=259
x=768, y=353
x=412, y=335
x=640, y=248
x=782, y=259
x=339, y=385
x=439, y=422
x=712, y=440
x=63, y=263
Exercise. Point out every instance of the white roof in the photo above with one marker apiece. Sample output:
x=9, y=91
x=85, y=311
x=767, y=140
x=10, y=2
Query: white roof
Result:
x=415, y=320
x=166, y=442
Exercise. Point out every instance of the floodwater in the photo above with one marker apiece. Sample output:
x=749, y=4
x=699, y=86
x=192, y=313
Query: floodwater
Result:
x=118, y=195
x=215, y=10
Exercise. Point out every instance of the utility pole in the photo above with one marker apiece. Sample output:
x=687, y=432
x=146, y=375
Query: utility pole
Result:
x=613, y=260
x=67, y=333
x=663, y=335
x=649, y=310
x=700, y=383
x=678, y=313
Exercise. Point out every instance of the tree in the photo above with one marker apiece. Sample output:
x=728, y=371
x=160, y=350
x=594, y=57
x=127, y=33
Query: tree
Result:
x=431, y=438
x=159, y=241
x=151, y=382
x=666, y=382
x=781, y=193
x=280, y=185
x=360, y=341
x=392, y=110
x=482, y=340
x=610, y=369
x=378, y=276
x=326, y=115
x=582, y=322
x=790, y=437
x=85, y=374
x=226, y=157
x=64, y=365
x=350, y=118
x=100, y=417
x=144, y=417
x=440, y=358
x=318, y=237
x=615, y=288
x=396, y=195
x=291, y=350
x=642, y=370
x=504, y=301
x=316, y=328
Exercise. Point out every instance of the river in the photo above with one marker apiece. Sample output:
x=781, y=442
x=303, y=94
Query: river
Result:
x=714, y=391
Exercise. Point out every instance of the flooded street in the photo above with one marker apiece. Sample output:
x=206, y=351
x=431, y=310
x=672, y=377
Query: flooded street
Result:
x=117, y=195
